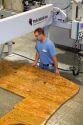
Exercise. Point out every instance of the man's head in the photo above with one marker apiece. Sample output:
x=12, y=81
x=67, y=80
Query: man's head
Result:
x=39, y=34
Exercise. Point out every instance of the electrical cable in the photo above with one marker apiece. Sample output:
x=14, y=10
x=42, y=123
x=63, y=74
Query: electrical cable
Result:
x=66, y=7
x=23, y=56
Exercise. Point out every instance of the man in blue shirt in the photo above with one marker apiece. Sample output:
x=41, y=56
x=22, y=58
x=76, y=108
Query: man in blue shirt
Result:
x=45, y=51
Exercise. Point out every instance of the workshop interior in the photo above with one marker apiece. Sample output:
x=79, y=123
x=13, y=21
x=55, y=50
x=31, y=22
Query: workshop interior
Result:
x=33, y=96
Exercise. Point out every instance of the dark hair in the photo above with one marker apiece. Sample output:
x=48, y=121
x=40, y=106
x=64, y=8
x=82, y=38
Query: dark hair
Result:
x=40, y=31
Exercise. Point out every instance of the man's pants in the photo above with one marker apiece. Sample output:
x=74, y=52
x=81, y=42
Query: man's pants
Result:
x=48, y=68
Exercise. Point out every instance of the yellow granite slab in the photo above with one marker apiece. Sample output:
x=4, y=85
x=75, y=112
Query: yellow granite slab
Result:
x=44, y=93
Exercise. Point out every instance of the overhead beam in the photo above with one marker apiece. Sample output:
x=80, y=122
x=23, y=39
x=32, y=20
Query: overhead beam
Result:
x=20, y=24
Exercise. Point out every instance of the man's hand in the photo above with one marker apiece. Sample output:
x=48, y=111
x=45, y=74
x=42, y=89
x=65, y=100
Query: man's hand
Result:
x=57, y=72
x=56, y=65
x=34, y=64
x=36, y=59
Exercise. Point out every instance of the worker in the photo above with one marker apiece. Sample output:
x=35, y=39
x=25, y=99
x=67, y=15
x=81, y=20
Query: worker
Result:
x=45, y=51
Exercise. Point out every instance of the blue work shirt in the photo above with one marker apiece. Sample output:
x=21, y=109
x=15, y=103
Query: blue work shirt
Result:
x=46, y=51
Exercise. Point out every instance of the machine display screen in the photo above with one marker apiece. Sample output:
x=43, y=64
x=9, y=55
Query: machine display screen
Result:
x=81, y=26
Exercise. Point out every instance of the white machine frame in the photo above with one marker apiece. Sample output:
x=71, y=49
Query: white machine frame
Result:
x=20, y=24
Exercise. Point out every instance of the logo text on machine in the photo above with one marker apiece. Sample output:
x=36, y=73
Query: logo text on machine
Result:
x=37, y=20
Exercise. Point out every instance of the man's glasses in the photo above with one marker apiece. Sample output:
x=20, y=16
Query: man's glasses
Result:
x=37, y=35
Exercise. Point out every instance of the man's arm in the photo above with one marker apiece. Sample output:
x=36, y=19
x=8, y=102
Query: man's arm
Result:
x=56, y=65
x=36, y=59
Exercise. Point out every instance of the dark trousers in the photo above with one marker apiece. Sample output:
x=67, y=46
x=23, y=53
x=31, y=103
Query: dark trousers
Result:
x=47, y=67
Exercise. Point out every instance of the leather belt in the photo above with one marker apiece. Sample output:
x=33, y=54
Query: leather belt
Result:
x=48, y=65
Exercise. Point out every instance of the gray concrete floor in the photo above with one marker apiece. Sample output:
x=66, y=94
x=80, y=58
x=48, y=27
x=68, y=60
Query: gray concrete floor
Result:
x=7, y=101
x=71, y=113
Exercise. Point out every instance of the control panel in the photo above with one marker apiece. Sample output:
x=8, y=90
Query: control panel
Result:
x=77, y=30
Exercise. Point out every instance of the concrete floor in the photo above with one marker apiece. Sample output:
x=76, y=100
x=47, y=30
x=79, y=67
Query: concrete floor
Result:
x=71, y=113
x=7, y=101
